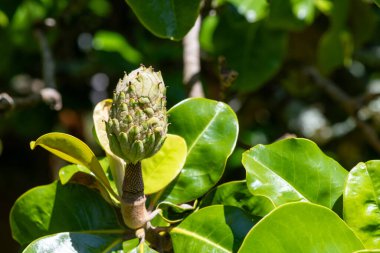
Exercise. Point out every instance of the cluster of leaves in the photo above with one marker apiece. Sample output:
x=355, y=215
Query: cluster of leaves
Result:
x=293, y=194
x=291, y=200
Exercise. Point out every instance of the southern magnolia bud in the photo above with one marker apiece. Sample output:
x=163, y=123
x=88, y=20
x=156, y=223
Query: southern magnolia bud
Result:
x=137, y=125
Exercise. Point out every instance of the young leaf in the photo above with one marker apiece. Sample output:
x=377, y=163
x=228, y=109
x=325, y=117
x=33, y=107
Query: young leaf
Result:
x=212, y=229
x=76, y=243
x=100, y=116
x=161, y=169
x=361, y=202
x=76, y=173
x=210, y=129
x=167, y=19
x=301, y=227
x=172, y=213
x=75, y=151
x=293, y=170
x=54, y=208
x=236, y=193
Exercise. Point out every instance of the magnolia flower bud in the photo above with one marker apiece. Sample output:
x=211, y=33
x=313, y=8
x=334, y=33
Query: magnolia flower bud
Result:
x=137, y=125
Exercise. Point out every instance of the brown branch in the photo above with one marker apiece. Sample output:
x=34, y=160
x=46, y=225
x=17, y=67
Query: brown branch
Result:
x=49, y=95
x=191, y=61
x=349, y=104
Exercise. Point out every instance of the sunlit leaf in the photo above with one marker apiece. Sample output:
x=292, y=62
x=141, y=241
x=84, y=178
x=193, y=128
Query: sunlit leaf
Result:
x=361, y=202
x=294, y=170
x=236, y=193
x=74, y=151
x=76, y=243
x=210, y=129
x=53, y=208
x=161, y=169
x=301, y=227
x=212, y=229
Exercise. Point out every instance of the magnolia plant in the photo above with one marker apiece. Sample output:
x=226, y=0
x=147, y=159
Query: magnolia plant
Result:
x=157, y=187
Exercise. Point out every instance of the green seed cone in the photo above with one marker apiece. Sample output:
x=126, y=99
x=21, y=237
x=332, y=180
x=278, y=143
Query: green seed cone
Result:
x=138, y=125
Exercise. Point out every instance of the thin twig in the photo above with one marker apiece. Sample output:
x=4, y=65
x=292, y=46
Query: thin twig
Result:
x=192, y=62
x=349, y=104
x=48, y=66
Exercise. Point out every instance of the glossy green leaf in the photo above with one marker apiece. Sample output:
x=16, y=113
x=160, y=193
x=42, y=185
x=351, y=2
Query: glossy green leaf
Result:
x=301, y=227
x=161, y=169
x=236, y=193
x=253, y=50
x=212, y=229
x=74, y=151
x=115, y=42
x=377, y=2
x=361, y=200
x=167, y=19
x=210, y=129
x=294, y=169
x=75, y=243
x=54, y=208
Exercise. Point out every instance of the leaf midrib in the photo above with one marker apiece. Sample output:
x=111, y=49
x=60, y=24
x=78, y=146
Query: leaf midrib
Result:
x=192, y=234
x=218, y=110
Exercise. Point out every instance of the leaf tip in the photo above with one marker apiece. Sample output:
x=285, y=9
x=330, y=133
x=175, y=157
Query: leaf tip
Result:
x=32, y=145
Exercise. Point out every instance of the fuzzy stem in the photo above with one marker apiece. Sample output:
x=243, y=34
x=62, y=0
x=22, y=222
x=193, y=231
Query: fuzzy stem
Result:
x=133, y=199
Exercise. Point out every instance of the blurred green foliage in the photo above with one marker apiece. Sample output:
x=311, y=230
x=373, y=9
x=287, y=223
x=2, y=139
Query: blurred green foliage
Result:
x=268, y=43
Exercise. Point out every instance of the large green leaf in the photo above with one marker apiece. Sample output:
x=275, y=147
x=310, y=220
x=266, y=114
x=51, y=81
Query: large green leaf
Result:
x=76, y=243
x=210, y=129
x=255, y=51
x=212, y=229
x=236, y=193
x=361, y=202
x=75, y=151
x=166, y=18
x=301, y=227
x=54, y=208
x=294, y=170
